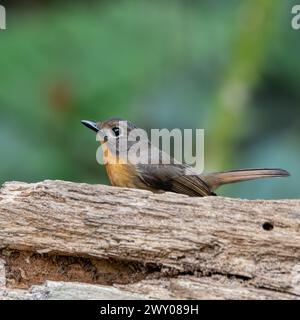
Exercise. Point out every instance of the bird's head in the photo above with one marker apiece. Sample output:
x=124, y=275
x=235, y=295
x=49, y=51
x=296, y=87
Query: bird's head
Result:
x=112, y=133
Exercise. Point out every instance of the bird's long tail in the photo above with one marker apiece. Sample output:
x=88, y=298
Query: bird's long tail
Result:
x=215, y=180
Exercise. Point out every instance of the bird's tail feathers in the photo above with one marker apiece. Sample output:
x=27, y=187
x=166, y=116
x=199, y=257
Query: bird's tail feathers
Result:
x=215, y=180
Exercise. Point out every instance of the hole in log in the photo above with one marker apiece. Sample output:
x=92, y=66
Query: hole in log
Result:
x=24, y=269
x=268, y=226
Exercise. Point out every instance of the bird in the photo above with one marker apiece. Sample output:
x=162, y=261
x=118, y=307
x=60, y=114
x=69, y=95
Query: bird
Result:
x=160, y=176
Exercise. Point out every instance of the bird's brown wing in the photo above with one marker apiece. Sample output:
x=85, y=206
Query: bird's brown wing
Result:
x=174, y=178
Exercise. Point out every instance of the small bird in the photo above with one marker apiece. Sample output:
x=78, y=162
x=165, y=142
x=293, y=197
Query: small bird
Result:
x=161, y=177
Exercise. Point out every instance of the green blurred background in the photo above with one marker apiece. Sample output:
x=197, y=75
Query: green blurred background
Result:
x=231, y=67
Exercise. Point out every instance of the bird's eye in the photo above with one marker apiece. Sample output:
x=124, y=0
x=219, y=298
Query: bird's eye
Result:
x=116, y=131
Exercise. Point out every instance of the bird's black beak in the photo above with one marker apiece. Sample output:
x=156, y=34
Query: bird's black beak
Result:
x=90, y=124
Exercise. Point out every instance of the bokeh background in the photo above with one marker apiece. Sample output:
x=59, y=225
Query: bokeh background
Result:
x=231, y=67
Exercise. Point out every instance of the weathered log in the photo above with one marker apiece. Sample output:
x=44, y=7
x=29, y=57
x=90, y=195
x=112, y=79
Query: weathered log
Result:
x=198, y=248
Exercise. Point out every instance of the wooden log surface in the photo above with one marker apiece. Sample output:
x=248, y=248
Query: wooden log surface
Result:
x=181, y=247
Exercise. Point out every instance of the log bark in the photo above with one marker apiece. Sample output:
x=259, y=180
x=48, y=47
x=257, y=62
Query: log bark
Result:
x=158, y=245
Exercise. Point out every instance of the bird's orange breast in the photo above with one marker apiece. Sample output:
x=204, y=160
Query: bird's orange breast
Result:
x=120, y=173
x=123, y=174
